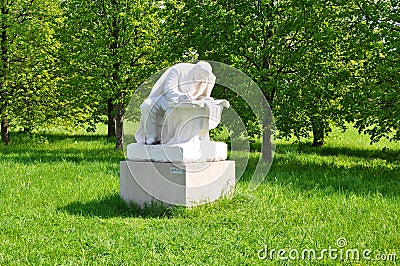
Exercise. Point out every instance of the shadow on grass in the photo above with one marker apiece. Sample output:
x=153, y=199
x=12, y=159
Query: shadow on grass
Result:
x=29, y=149
x=326, y=176
x=113, y=206
x=328, y=170
x=290, y=167
x=387, y=154
x=20, y=137
x=33, y=155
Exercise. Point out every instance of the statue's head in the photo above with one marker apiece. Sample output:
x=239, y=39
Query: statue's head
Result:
x=202, y=70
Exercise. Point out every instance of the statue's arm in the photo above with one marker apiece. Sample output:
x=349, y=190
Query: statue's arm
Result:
x=171, y=87
x=209, y=86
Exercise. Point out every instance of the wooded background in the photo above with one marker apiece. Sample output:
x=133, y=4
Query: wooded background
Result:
x=320, y=64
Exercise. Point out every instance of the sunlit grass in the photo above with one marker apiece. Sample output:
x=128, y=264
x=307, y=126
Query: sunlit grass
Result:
x=59, y=200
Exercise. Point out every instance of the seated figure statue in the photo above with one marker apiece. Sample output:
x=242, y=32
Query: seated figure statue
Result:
x=180, y=111
x=182, y=83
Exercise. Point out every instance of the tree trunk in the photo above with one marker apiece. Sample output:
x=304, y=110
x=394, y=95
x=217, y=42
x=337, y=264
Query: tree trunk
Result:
x=267, y=134
x=119, y=121
x=110, y=119
x=5, y=131
x=267, y=145
x=119, y=108
x=318, y=133
x=267, y=154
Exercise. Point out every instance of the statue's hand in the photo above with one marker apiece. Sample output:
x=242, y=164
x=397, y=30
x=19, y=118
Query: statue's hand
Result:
x=205, y=98
x=226, y=104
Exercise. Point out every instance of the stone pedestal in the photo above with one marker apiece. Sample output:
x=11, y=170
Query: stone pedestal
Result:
x=194, y=151
x=176, y=184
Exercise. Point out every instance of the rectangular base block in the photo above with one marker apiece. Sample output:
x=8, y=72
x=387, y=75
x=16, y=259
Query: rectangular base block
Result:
x=176, y=184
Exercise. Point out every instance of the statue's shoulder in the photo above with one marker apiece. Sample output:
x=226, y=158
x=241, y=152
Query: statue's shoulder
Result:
x=183, y=66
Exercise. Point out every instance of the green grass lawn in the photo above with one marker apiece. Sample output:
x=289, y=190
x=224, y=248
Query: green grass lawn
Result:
x=60, y=205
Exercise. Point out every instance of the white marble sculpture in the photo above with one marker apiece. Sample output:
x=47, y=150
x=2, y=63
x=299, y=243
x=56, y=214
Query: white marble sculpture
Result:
x=177, y=116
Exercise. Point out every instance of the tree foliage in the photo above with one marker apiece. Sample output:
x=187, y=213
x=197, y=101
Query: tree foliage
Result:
x=319, y=63
x=28, y=95
x=289, y=48
x=110, y=47
x=374, y=101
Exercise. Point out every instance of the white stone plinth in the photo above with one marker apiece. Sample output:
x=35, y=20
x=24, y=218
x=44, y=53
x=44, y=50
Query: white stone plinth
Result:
x=176, y=184
x=196, y=151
